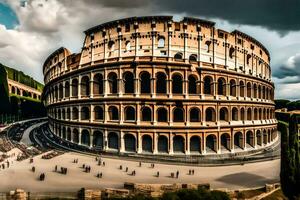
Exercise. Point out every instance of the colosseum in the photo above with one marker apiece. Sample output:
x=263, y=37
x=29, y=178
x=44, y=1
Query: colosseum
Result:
x=153, y=85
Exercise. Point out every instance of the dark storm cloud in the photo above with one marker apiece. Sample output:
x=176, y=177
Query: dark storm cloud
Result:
x=290, y=71
x=280, y=15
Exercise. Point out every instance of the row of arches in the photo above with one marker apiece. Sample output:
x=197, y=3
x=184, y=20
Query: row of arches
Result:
x=161, y=85
x=18, y=91
x=179, y=114
x=177, y=143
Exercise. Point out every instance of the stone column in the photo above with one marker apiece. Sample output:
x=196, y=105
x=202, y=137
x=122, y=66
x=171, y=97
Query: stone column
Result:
x=203, y=142
x=154, y=143
x=171, y=152
x=121, y=113
x=91, y=139
x=91, y=85
x=138, y=113
x=79, y=87
x=122, y=142
x=187, y=144
x=105, y=140
x=139, y=143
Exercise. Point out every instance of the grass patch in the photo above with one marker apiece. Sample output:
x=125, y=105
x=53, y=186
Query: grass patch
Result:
x=275, y=195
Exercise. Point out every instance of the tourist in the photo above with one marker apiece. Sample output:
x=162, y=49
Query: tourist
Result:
x=177, y=174
x=157, y=174
x=55, y=169
x=33, y=169
x=140, y=164
x=126, y=169
x=121, y=167
x=103, y=163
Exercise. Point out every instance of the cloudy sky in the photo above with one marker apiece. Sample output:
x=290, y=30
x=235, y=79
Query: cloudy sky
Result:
x=28, y=33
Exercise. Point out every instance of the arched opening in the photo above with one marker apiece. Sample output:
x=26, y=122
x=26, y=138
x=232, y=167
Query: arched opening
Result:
x=259, y=91
x=250, y=138
x=211, y=143
x=75, y=136
x=161, y=83
x=113, y=83
x=85, y=137
x=258, y=138
x=194, y=115
x=147, y=143
x=255, y=114
x=64, y=134
x=61, y=91
x=85, y=113
x=221, y=86
x=98, y=113
x=63, y=114
x=223, y=114
x=195, y=144
x=128, y=82
x=145, y=83
x=208, y=85
x=210, y=115
x=113, y=113
x=13, y=90
x=113, y=141
x=242, y=114
x=225, y=141
x=130, y=143
x=231, y=52
x=232, y=88
x=146, y=114
x=85, y=86
x=255, y=91
x=98, y=84
x=178, y=115
x=193, y=58
x=178, y=56
x=249, y=89
x=234, y=114
x=162, y=144
x=238, y=140
x=75, y=113
x=265, y=137
x=269, y=136
x=178, y=144
x=162, y=115
x=192, y=84
x=207, y=45
x=176, y=84
x=129, y=113
x=69, y=135
x=249, y=114
x=98, y=140
x=242, y=89
x=67, y=89
x=59, y=114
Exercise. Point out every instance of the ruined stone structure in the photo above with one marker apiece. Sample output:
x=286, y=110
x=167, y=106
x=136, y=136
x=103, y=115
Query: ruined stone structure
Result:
x=23, y=90
x=154, y=85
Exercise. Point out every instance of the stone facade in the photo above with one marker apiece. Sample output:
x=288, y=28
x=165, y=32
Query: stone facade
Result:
x=154, y=85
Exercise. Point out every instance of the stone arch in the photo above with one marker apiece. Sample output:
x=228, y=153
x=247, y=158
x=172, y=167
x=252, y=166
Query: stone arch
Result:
x=242, y=114
x=145, y=79
x=221, y=86
x=129, y=113
x=146, y=114
x=147, y=143
x=128, y=79
x=234, y=114
x=113, y=141
x=195, y=144
x=61, y=91
x=85, y=137
x=258, y=137
x=192, y=84
x=249, y=88
x=242, y=89
x=177, y=84
x=178, y=56
x=113, y=83
x=249, y=114
x=232, y=84
x=224, y=114
x=225, y=141
x=85, y=86
x=13, y=89
x=162, y=114
x=113, y=113
x=130, y=143
x=64, y=133
x=98, y=84
x=98, y=139
x=75, y=136
x=193, y=58
x=238, y=140
x=208, y=85
x=161, y=42
x=161, y=83
x=178, y=114
x=162, y=144
x=211, y=143
x=210, y=114
x=255, y=90
x=75, y=113
x=178, y=144
x=265, y=137
x=85, y=113
x=250, y=138
x=69, y=134
x=75, y=87
x=67, y=89
x=195, y=115
x=98, y=113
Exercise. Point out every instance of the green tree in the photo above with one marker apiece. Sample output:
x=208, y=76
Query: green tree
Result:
x=281, y=103
x=4, y=93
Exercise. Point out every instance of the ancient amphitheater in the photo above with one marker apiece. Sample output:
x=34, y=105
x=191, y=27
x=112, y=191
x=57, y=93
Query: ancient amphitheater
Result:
x=152, y=85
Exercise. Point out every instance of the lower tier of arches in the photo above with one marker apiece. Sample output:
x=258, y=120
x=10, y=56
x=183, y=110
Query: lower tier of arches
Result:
x=220, y=141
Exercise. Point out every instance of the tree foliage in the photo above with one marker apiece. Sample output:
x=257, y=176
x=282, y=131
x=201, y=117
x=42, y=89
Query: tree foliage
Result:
x=281, y=103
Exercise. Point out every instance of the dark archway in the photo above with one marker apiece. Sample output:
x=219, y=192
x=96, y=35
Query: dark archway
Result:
x=225, y=141
x=147, y=143
x=195, y=144
x=130, y=143
x=145, y=79
x=208, y=85
x=192, y=84
x=128, y=82
x=162, y=144
x=177, y=84
x=113, y=83
x=98, y=113
x=238, y=140
x=178, y=144
x=146, y=114
x=129, y=113
x=211, y=143
x=162, y=115
x=210, y=115
x=161, y=83
x=221, y=86
x=195, y=115
x=85, y=86
x=113, y=113
x=98, y=139
x=85, y=137
x=98, y=84
x=178, y=115
x=113, y=141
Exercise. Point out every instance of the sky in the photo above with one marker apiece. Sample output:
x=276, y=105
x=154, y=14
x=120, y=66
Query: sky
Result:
x=32, y=29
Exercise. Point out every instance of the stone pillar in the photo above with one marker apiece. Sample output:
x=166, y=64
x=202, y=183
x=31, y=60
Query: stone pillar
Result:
x=169, y=41
x=79, y=87
x=120, y=84
x=187, y=144
x=122, y=142
x=138, y=113
x=91, y=86
x=171, y=152
x=79, y=137
x=121, y=113
x=136, y=86
x=232, y=141
x=154, y=143
x=106, y=113
x=139, y=143
x=105, y=140
x=91, y=139
x=203, y=141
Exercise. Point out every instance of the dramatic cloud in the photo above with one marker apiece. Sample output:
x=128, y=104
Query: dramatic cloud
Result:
x=45, y=25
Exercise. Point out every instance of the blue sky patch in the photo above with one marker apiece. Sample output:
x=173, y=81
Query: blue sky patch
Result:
x=7, y=16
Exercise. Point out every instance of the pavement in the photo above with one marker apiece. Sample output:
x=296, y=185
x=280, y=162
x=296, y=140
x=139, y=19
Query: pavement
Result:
x=19, y=175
